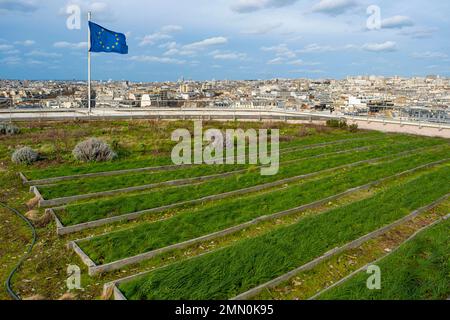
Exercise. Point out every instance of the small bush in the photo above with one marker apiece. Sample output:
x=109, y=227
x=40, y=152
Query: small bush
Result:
x=334, y=123
x=93, y=150
x=25, y=155
x=343, y=124
x=8, y=128
x=353, y=128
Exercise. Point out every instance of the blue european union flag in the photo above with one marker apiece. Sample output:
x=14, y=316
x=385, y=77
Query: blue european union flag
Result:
x=104, y=40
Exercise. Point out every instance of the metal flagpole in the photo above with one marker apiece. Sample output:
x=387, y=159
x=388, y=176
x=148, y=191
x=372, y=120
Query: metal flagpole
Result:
x=89, y=64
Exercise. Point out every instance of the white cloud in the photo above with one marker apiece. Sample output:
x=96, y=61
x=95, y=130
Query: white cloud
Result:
x=387, y=46
x=26, y=43
x=154, y=59
x=175, y=49
x=101, y=11
x=264, y=29
x=35, y=62
x=11, y=60
x=334, y=7
x=229, y=56
x=171, y=29
x=18, y=5
x=281, y=50
x=419, y=33
x=246, y=6
x=168, y=45
x=6, y=47
x=70, y=45
x=277, y=60
x=300, y=62
x=397, y=22
x=314, y=71
x=11, y=52
x=374, y=47
x=153, y=38
x=430, y=55
x=200, y=45
x=164, y=33
x=314, y=47
x=39, y=53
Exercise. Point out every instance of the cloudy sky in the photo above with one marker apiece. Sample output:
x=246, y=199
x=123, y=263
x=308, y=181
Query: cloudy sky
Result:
x=228, y=39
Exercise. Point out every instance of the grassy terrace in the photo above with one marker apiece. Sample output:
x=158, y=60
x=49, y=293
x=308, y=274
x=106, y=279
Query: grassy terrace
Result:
x=225, y=273
x=308, y=283
x=98, y=209
x=154, y=151
x=95, y=210
x=205, y=219
x=89, y=185
x=235, y=262
x=419, y=270
x=92, y=185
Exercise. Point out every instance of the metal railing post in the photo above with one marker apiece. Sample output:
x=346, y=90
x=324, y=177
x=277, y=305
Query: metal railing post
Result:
x=11, y=106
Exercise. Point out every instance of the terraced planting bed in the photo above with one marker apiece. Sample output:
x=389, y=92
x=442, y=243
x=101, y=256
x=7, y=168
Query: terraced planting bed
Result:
x=418, y=270
x=68, y=191
x=99, y=184
x=231, y=271
x=314, y=282
x=223, y=214
x=124, y=204
x=154, y=230
x=161, y=160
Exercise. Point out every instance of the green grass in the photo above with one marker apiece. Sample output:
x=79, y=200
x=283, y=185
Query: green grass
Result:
x=98, y=209
x=15, y=237
x=223, y=214
x=92, y=185
x=419, y=270
x=236, y=269
x=89, y=185
x=137, y=160
x=143, y=143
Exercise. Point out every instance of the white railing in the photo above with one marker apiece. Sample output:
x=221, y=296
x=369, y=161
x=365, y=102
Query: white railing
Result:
x=184, y=109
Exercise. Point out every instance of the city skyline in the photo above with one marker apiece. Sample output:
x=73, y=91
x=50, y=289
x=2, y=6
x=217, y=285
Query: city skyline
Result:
x=236, y=39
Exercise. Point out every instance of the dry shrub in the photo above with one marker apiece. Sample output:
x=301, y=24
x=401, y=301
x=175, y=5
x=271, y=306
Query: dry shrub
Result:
x=44, y=220
x=32, y=203
x=353, y=128
x=286, y=138
x=32, y=215
x=68, y=296
x=304, y=132
x=25, y=155
x=38, y=220
x=9, y=129
x=35, y=297
x=93, y=150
